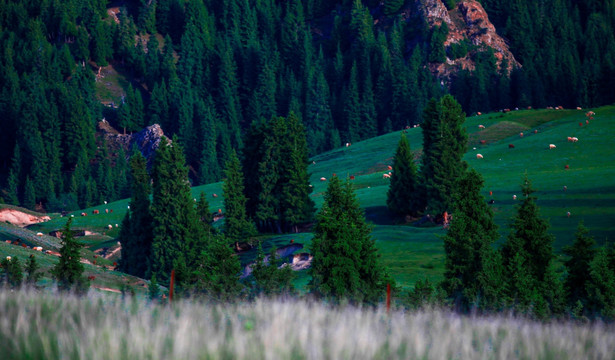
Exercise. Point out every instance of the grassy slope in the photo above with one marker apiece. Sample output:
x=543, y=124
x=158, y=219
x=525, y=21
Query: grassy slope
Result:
x=413, y=253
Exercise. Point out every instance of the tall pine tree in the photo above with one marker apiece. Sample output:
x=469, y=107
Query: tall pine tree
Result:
x=346, y=262
x=403, y=195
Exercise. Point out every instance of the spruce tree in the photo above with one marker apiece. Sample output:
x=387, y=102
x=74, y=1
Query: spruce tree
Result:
x=296, y=204
x=32, y=270
x=13, y=271
x=29, y=197
x=237, y=225
x=403, y=195
x=69, y=270
x=175, y=242
x=269, y=278
x=136, y=234
x=601, y=286
x=217, y=274
x=581, y=254
x=528, y=255
x=471, y=272
x=444, y=144
x=346, y=263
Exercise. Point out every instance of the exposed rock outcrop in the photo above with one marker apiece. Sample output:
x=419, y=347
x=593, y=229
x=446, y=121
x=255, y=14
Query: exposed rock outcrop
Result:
x=146, y=140
x=470, y=21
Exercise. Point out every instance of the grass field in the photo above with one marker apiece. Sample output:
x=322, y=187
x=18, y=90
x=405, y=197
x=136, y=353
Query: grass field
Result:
x=48, y=326
x=412, y=253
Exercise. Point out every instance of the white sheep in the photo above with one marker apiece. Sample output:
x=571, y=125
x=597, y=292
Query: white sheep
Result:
x=479, y=156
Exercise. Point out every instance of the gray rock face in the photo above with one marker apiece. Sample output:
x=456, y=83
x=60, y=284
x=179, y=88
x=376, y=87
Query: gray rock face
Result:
x=146, y=140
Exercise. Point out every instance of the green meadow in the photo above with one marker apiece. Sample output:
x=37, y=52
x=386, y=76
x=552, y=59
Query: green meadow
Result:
x=411, y=252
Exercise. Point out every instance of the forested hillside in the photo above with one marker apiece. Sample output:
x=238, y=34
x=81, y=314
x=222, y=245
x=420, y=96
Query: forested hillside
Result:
x=207, y=70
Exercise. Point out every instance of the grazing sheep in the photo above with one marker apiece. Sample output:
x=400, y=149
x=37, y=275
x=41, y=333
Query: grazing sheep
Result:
x=38, y=248
x=386, y=176
x=351, y=177
x=323, y=179
x=106, y=211
x=490, y=193
x=565, y=187
x=479, y=156
x=566, y=167
x=535, y=131
x=568, y=214
x=84, y=214
x=514, y=197
x=481, y=126
x=552, y=146
x=110, y=226
x=8, y=258
x=95, y=212
x=575, y=139
x=569, y=139
x=580, y=124
x=105, y=202
x=579, y=108
x=348, y=144
x=520, y=134
x=128, y=207
x=39, y=234
x=479, y=113
x=215, y=195
x=116, y=225
x=389, y=167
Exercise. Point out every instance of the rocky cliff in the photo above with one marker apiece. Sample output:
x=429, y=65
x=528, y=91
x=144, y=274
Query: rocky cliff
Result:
x=146, y=140
x=467, y=21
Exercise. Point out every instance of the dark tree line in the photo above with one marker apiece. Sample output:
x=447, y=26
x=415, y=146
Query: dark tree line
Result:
x=206, y=71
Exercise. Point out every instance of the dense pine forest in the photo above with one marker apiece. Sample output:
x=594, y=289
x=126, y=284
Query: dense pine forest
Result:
x=249, y=91
x=208, y=71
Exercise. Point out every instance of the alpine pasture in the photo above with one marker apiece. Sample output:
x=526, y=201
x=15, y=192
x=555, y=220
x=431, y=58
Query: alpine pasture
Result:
x=416, y=252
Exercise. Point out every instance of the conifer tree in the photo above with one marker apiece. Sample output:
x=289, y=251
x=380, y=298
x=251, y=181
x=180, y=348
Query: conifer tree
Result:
x=352, y=108
x=175, y=242
x=528, y=256
x=581, y=254
x=69, y=269
x=346, y=263
x=217, y=273
x=29, y=197
x=209, y=171
x=444, y=144
x=601, y=286
x=472, y=276
x=13, y=270
x=296, y=204
x=13, y=178
x=32, y=270
x=237, y=225
x=269, y=278
x=403, y=195
x=136, y=234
